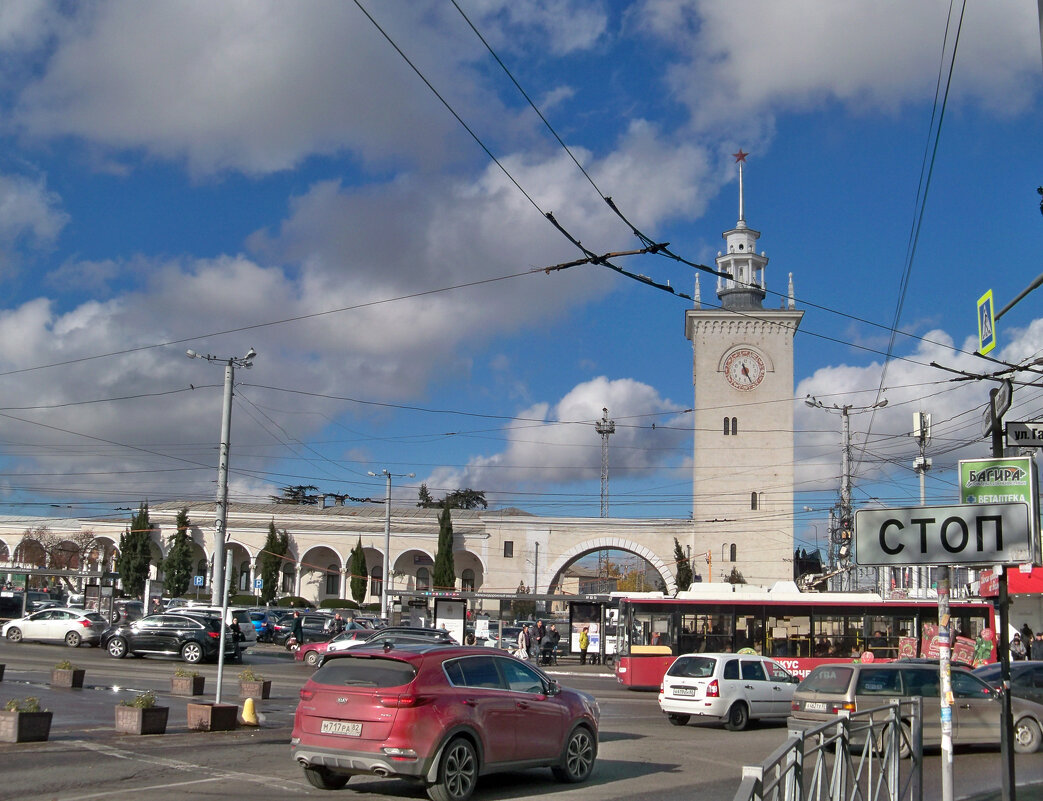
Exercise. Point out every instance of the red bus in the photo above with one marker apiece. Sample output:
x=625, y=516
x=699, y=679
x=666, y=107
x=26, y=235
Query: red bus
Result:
x=798, y=630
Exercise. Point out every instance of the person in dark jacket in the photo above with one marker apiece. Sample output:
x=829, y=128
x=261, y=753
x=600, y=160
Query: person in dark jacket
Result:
x=298, y=629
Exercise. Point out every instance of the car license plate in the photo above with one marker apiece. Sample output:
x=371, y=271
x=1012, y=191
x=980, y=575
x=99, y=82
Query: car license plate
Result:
x=815, y=706
x=684, y=690
x=341, y=727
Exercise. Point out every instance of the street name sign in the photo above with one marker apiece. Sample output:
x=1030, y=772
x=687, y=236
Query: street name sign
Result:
x=968, y=534
x=1024, y=435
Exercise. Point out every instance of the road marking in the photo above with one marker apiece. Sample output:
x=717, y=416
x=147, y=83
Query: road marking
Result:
x=178, y=764
x=110, y=793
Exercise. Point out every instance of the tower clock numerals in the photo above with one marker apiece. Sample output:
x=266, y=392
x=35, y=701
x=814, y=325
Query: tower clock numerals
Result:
x=744, y=369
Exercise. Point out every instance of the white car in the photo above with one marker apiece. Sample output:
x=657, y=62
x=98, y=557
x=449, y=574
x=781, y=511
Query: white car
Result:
x=71, y=626
x=730, y=688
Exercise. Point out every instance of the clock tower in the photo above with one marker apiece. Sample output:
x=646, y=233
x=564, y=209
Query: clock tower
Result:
x=742, y=369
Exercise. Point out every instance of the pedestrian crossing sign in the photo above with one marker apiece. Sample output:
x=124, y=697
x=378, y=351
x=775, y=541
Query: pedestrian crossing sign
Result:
x=986, y=324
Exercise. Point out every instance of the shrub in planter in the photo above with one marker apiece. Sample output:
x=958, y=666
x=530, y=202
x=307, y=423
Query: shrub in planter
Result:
x=140, y=715
x=205, y=716
x=252, y=685
x=186, y=682
x=66, y=674
x=24, y=722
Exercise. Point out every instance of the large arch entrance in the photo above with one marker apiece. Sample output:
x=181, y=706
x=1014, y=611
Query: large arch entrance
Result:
x=666, y=572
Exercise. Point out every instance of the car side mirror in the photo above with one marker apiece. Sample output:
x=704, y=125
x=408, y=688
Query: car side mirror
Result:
x=553, y=688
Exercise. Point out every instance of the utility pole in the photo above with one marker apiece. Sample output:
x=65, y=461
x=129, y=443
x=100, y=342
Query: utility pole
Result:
x=921, y=577
x=217, y=596
x=605, y=428
x=845, y=512
x=385, y=574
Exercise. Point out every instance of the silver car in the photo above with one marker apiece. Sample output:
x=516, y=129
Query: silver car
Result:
x=71, y=626
x=830, y=689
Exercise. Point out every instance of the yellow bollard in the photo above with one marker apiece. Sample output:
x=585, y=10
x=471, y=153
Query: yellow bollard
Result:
x=249, y=713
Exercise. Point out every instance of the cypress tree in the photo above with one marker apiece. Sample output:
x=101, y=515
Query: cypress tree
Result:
x=358, y=573
x=684, y=568
x=276, y=545
x=444, y=577
x=177, y=567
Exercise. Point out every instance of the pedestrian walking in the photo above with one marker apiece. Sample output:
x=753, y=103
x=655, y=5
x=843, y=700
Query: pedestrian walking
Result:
x=523, y=642
x=297, y=633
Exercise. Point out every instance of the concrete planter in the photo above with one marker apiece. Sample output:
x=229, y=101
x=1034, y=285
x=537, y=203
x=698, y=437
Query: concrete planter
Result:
x=255, y=689
x=187, y=685
x=24, y=727
x=72, y=678
x=212, y=717
x=134, y=720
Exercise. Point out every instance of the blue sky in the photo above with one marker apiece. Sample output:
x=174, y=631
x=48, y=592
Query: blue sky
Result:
x=221, y=176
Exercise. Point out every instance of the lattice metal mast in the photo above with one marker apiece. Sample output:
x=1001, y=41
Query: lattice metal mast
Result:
x=604, y=427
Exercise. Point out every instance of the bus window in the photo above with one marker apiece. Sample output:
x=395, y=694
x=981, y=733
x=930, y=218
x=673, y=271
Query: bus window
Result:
x=788, y=635
x=654, y=630
x=749, y=632
x=837, y=635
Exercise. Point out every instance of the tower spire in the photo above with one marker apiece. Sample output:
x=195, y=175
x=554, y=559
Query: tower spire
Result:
x=740, y=159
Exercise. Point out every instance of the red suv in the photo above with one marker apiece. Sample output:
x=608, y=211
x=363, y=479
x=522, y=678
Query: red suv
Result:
x=441, y=716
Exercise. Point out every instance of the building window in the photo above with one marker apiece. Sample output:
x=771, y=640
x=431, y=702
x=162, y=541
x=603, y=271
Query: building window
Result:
x=244, y=577
x=735, y=425
x=333, y=580
x=376, y=581
x=732, y=552
x=731, y=425
x=508, y=549
x=287, y=581
x=727, y=426
x=467, y=580
x=753, y=500
x=423, y=579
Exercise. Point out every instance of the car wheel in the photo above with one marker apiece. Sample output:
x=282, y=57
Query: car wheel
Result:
x=457, y=773
x=738, y=717
x=1026, y=736
x=73, y=639
x=191, y=652
x=312, y=658
x=678, y=720
x=14, y=634
x=578, y=760
x=905, y=741
x=117, y=647
x=323, y=778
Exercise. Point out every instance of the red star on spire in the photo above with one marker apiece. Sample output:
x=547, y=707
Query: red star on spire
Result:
x=740, y=156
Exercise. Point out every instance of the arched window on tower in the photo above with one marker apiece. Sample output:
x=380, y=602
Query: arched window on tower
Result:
x=753, y=500
x=735, y=425
x=467, y=580
x=727, y=426
x=732, y=552
x=376, y=581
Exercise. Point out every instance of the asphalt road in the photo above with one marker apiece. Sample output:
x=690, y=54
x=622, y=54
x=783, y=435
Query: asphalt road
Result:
x=641, y=755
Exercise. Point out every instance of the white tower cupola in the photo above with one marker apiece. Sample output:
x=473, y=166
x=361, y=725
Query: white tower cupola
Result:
x=744, y=288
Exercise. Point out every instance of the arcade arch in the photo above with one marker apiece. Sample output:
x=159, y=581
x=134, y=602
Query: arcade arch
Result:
x=573, y=554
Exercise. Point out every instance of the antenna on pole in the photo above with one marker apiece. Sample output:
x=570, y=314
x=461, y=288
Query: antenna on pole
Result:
x=605, y=428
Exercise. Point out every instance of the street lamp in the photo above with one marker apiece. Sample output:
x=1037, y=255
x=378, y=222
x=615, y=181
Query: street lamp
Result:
x=384, y=597
x=217, y=575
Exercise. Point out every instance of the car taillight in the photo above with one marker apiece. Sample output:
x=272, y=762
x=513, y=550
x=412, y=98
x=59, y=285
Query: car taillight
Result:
x=713, y=689
x=214, y=635
x=794, y=706
x=306, y=694
x=85, y=623
x=398, y=701
x=662, y=686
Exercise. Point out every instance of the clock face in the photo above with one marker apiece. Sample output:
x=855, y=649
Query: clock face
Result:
x=744, y=369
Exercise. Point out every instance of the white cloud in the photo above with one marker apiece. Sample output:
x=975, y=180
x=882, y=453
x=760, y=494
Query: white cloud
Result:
x=30, y=217
x=739, y=58
x=558, y=443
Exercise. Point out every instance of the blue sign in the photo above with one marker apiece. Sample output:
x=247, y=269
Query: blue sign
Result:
x=986, y=324
x=197, y=581
x=258, y=584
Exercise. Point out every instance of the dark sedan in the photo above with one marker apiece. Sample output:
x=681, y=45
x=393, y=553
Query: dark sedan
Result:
x=315, y=628
x=193, y=639
x=1026, y=678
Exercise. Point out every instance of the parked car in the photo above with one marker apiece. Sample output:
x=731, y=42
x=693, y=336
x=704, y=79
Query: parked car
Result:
x=194, y=638
x=1026, y=678
x=71, y=626
x=314, y=628
x=238, y=617
x=395, y=636
x=311, y=652
x=830, y=689
x=508, y=640
x=263, y=623
x=482, y=711
x=126, y=610
x=731, y=688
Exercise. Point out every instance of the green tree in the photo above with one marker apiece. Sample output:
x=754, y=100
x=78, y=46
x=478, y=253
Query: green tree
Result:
x=298, y=495
x=177, y=567
x=444, y=575
x=276, y=546
x=684, y=568
x=424, y=499
x=523, y=608
x=735, y=577
x=358, y=573
x=457, y=499
x=135, y=553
